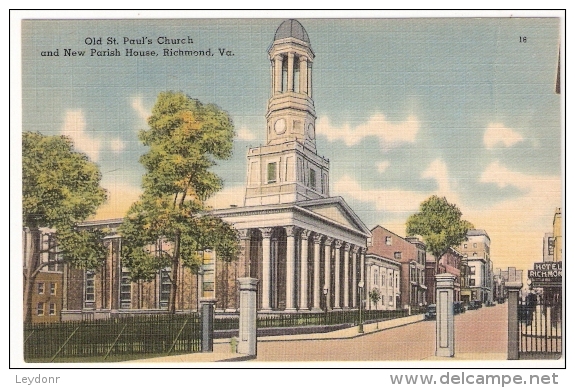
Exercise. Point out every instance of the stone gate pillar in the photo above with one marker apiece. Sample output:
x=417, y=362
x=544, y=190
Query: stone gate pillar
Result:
x=444, y=325
x=207, y=308
x=247, y=341
x=513, y=289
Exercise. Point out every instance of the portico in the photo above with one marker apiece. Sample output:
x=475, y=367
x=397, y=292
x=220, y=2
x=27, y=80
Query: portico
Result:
x=296, y=251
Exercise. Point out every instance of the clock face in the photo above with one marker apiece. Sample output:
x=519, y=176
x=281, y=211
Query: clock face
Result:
x=311, y=131
x=280, y=126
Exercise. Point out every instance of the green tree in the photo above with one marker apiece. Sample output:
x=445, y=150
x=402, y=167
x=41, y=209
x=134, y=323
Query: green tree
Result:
x=440, y=225
x=60, y=187
x=375, y=296
x=169, y=225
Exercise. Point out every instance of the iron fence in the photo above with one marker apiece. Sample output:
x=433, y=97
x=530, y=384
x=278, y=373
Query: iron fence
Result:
x=163, y=334
x=540, y=330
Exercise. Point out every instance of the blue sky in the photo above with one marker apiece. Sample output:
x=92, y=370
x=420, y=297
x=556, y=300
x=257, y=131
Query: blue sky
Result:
x=406, y=108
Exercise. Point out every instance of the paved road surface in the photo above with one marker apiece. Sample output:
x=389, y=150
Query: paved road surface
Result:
x=479, y=334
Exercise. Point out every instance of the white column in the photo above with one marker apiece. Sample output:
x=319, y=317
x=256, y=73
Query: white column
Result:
x=316, y=266
x=327, y=265
x=290, y=267
x=309, y=83
x=266, y=268
x=303, y=75
x=290, y=72
x=362, y=264
x=337, y=275
x=303, y=302
x=354, y=277
x=346, y=249
x=277, y=74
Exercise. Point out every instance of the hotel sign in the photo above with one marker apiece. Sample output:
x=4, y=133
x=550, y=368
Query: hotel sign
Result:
x=547, y=273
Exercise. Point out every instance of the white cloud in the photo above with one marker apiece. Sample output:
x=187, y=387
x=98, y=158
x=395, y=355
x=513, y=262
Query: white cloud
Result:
x=382, y=166
x=391, y=200
x=499, y=134
x=389, y=133
x=245, y=134
x=437, y=170
x=117, y=145
x=138, y=105
x=233, y=195
x=516, y=225
x=75, y=128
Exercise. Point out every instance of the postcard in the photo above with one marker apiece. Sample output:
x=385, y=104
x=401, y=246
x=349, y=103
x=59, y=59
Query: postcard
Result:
x=291, y=190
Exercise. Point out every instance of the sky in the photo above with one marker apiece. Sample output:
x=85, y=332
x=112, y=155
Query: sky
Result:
x=406, y=108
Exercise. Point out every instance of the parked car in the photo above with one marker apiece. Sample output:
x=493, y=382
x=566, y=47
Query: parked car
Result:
x=474, y=305
x=458, y=307
x=431, y=312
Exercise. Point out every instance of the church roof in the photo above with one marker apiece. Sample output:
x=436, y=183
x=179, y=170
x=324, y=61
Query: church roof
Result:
x=291, y=28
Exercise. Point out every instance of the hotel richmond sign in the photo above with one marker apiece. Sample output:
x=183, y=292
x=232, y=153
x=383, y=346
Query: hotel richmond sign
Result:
x=546, y=274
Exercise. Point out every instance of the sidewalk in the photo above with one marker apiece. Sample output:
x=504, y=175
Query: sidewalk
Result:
x=222, y=351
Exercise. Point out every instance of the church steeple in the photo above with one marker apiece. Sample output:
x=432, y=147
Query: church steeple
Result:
x=291, y=112
x=287, y=169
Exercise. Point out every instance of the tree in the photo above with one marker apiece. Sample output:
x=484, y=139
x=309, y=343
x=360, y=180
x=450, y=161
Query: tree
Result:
x=169, y=225
x=60, y=187
x=440, y=225
x=375, y=297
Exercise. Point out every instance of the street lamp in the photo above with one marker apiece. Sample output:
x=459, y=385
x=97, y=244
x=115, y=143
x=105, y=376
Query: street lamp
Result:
x=325, y=292
x=360, y=326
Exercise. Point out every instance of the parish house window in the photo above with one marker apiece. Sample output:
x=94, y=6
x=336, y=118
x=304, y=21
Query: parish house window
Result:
x=41, y=288
x=272, y=172
x=40, y=308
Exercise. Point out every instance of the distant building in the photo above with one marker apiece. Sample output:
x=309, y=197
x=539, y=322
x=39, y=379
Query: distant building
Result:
x=450, y=263
x=477, y=255
x=47, y=295
x=383, y=274
x=557, y=236
x=410, y=253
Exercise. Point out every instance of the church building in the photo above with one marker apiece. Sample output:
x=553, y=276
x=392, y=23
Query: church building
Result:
x=306, y=248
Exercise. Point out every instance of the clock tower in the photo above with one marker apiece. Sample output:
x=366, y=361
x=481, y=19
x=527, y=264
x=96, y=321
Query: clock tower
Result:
x=287, y=169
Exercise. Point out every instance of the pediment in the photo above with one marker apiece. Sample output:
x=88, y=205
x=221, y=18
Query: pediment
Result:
x=336, y=210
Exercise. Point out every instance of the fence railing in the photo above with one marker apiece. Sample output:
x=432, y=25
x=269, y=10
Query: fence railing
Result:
x=163, y=334
x=281, y=319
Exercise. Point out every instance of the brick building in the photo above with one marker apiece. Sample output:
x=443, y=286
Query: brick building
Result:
x=410, y=253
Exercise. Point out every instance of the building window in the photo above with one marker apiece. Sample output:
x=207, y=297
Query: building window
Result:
x=396, y=281
x=52, y=308
x=272, y=172
x=125, y=290
x=165, y=288
x=464, y=245
x=397, y=255
x=41, y=288
x=471, y=282
x=474, y=245
x=312, y=181
x=52, y=288
x=90, y=294
x=387, y=240
x=383, y=280
x=375, y=277
x=391, y=300
x=474, y=253
x=40, y=308
x=550, y=246
x=472, y=270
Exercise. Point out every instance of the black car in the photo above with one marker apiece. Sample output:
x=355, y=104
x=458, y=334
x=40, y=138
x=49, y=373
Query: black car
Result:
x=458, y=307
x=474, y=305
x=431, y=312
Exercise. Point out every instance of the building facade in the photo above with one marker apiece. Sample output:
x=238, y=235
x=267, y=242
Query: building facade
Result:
x=47, y=287
x=410, y=254
x=298, y=241
x=477, y=255
x=450, y=262
x=383, y=275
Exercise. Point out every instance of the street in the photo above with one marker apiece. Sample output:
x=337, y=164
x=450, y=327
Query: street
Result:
x=478, y=333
